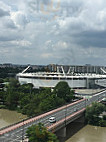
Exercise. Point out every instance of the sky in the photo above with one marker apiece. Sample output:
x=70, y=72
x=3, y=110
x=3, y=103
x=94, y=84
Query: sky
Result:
x=42, y=32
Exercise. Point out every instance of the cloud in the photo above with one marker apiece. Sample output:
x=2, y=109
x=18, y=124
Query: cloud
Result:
x=8, y=23
x=4, y=13
x=92, y=38
x=46, y=55
x=19, y=18
x=59, y=31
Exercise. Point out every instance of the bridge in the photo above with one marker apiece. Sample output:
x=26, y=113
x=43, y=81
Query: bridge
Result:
x=64, y=115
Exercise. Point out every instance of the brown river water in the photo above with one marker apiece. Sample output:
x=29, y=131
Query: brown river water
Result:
x=89, y=134
x=8, y=117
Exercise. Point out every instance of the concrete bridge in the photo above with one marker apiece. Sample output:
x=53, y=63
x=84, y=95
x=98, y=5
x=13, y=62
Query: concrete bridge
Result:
x=64, y=115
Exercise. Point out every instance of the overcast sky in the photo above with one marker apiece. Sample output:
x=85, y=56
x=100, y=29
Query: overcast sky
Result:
x=53, y=31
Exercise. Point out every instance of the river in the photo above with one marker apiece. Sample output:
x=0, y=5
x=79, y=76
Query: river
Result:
x=89, y=134
x=8, y=117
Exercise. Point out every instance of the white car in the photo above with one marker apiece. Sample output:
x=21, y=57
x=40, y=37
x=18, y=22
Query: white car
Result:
x=52, y=119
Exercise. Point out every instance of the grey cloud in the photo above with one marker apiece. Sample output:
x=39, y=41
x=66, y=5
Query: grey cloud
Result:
x=21, y=19
x=9, y=24
x=7, y=38
x=10, y=35
x=4, y=13
x=91, y=38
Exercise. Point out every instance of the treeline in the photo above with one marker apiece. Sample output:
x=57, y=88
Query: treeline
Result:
x=7, y=72
x=31, y=101
x=95, y=116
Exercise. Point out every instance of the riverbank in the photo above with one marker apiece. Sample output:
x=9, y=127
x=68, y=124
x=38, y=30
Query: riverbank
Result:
x=8, y=117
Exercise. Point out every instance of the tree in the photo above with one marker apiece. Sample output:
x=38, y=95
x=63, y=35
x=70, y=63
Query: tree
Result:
x=12, y=94
x=1, y=80
x=26, y=88
x=39, y=133
x=13, y=83
x=93, y=112
x=62, y=90
x=51, y=102
x=12, y=99
x=2, y=97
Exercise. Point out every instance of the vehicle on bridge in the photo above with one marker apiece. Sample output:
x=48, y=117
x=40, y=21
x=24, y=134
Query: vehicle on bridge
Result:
x=52, y=119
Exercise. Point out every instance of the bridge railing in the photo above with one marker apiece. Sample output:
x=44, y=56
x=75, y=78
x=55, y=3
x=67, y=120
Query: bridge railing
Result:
x=30, y=117
x=38, y=117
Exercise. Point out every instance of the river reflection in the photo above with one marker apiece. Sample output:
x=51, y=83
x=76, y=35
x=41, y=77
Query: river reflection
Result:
x=8, y=117
x=89, y=134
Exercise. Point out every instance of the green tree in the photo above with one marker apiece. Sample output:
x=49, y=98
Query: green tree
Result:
x=13, y=83
x=1, y=80
x=2, y=97
x=12, y=99
x=93, y=112
x=12, y=94
x=39, y=133
x=52, y=101
x=26, y=88
x=62, y=90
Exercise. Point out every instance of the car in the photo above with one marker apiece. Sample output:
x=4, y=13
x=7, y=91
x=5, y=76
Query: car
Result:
x=75, y=109
x=52, y=119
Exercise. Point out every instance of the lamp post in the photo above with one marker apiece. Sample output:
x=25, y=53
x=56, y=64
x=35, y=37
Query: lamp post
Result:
x=85, y=102
x=98, y=98
x=65, y=114
x=23, y=131
x=22, y=134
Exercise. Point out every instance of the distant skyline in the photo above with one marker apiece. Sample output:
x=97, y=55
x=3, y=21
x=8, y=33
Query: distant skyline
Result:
x=18, y=64
x=42, y=32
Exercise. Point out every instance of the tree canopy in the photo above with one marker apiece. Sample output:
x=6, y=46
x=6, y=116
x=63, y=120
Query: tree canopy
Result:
x=63, y=90
x=39, y=133
x=93, y=112
x=31, y=101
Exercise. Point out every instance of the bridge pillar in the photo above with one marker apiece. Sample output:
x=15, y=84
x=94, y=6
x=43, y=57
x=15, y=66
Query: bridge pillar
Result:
x=61, y=132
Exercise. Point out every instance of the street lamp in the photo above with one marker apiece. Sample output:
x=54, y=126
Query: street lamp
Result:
x=23, y=131
x=22, y=120
x=65, y=114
